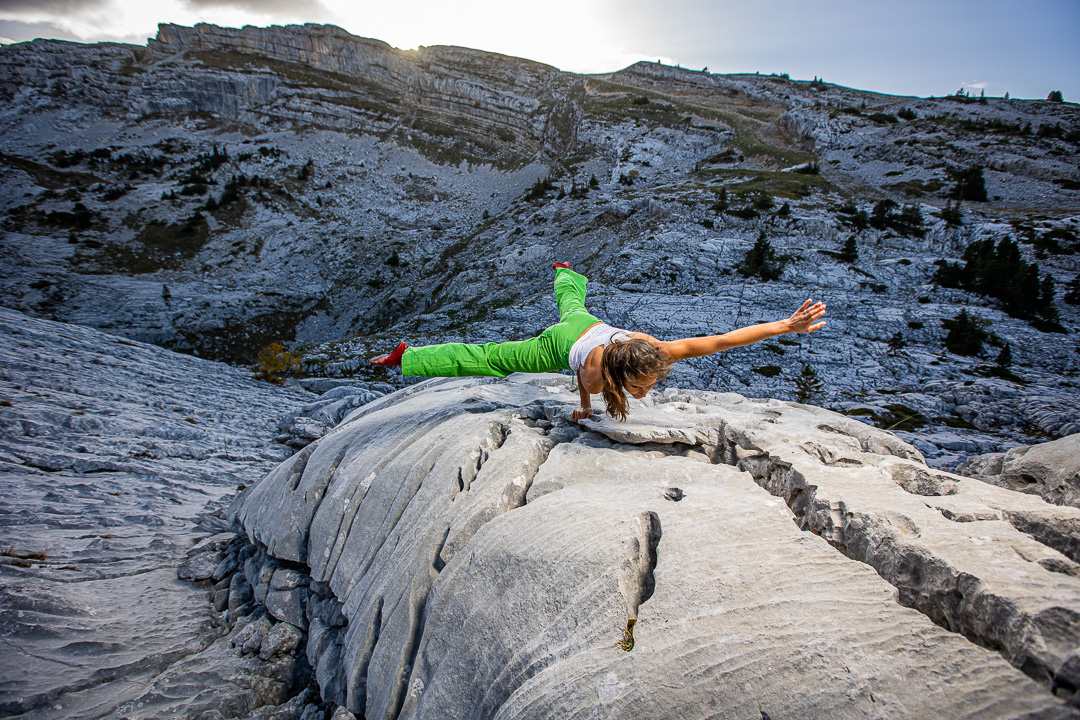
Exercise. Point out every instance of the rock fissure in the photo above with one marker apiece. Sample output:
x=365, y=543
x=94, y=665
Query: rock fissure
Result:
x=433, y=559
x=953, y=600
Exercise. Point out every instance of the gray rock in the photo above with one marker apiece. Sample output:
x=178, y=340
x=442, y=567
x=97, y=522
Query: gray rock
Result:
x=288, y=579
x=1050, y=470
x=221, y=600
x=453, y=508
x=214, y=542
x=199, y=567
x=282, y=639
x=342, y=714
x=240, y=592
x=225, y=568
x=250, y=639
x=288, y=605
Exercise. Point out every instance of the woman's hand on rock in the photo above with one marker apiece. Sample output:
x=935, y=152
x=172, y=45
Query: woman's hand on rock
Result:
x=581, y=414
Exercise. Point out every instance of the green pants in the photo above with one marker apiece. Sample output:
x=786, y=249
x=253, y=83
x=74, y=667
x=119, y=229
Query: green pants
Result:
x=548, y=352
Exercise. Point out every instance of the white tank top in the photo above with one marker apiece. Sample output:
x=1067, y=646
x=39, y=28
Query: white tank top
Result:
x=599, y=334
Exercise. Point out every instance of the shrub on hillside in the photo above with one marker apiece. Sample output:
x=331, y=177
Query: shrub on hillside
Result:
x=1055, y=96
x=966, y=334
x=906, y=220
x=273, y=362
x=970, y=185
x=808, y=385
x=761, y=261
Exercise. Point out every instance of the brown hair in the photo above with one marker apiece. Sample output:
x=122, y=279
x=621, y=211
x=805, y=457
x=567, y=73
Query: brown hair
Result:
x=628, y=360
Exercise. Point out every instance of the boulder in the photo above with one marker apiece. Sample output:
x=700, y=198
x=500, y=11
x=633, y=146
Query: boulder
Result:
x=494, y=559
x=1050, y=470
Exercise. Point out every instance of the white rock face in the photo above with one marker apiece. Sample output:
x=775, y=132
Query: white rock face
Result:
x=713, y=555
x=1050, y=470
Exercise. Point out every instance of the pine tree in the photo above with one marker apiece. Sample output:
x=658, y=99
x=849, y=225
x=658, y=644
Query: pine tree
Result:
x=761, y=260
x=807, y=385
x=850, y=252
x=951, y=214
x=966, y=334
x=1072, y=296
x=1004, y=358
x=896, y=344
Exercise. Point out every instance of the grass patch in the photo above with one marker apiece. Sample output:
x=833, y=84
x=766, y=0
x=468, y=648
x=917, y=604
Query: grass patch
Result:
x=917, y=188
x=791, y=186
x=892, y=417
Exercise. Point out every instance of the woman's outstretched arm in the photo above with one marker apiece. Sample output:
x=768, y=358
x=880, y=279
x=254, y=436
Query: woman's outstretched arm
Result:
x=804, y=320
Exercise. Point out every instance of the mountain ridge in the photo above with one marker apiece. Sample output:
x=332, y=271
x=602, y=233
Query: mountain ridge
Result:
x=215, y=201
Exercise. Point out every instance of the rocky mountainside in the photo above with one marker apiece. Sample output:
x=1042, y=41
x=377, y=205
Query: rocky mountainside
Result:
x=221, y=189
x=461, y=549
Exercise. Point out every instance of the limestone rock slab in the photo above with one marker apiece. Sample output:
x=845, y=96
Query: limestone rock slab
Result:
x=493, y=559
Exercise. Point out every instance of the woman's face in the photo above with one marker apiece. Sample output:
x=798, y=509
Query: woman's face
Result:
x=640, y=386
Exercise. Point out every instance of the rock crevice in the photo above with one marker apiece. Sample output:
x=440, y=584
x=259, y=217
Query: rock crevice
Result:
x=544, y=542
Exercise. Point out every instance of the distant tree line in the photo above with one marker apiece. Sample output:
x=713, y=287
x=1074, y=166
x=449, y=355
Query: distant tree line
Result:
x=999, y=271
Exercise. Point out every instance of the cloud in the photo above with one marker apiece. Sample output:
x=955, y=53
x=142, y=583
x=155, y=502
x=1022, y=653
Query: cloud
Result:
x=49, y=7
x=273, y=8
x=14, y=31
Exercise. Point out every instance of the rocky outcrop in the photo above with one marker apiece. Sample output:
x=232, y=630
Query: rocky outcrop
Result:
x=317, y=418
x=493, y=559
x=1050, y=470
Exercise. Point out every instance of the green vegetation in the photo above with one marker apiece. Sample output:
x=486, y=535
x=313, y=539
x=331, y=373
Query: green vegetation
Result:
x=917, y=188
x=881, y=118
x=790, y=186
x=966, y=334
x=999, y=271
x=970, y=184
x=850, y=214
x=951, y=214
x=1072, y=293
x=906, y=221
x=539, y=190
x=761, y=260
x=1055, y=96
x=850, y=251
x=768, y=370
x=273, y=362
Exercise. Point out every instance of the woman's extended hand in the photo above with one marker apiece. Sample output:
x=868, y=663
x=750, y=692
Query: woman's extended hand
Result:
x=581, y=414
x=803, y=319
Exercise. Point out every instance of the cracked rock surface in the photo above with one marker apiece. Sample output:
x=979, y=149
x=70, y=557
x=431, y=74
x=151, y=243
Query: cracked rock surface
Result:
x=1050, y=470
x=111, y=452
x=493, y=559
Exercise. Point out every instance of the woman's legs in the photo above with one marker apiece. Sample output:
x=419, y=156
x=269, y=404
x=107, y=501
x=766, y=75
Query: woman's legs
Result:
x=548, y=352
x=535, y=355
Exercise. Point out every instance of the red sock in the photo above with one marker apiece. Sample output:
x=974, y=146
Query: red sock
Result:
x=394, y=358
x=556, y=266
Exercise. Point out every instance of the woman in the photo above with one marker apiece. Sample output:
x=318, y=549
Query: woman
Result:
x=607, y=360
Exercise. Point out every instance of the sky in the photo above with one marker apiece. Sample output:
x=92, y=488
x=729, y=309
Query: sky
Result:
x=903, y=47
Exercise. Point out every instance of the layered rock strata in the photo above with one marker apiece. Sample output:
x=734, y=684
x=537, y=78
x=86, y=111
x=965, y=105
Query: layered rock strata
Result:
x=492, y=559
